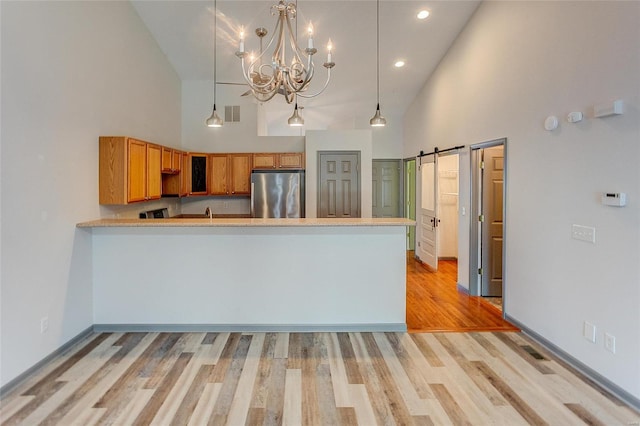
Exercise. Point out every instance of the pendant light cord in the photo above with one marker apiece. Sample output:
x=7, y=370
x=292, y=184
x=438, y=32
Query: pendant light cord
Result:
x=215, y=51
x=378, y=48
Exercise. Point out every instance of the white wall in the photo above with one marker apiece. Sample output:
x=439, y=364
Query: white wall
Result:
x=71, y=71
x=338, y=140
x=513, y=65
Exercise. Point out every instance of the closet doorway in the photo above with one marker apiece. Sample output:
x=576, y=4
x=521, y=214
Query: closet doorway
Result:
x=448, y=205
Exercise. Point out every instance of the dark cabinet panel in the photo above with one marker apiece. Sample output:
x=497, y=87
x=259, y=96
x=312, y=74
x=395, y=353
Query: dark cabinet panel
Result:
x=198, y=174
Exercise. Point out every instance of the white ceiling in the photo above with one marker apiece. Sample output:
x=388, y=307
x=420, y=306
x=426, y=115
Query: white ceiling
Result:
x=184, y=31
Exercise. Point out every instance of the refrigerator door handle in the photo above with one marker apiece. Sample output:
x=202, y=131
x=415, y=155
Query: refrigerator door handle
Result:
x=252, y=207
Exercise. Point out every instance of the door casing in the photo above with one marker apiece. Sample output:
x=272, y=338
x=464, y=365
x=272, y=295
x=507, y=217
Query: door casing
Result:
x=475, y=228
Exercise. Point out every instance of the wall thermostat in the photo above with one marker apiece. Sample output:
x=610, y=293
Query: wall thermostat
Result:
x=617, y=199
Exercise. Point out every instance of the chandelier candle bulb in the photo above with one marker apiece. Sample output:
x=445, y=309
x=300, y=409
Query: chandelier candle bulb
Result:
x=329, y=47
x=241, y=50
x=310, y=32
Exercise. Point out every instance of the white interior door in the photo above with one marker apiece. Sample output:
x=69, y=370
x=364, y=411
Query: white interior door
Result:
x=428, y=224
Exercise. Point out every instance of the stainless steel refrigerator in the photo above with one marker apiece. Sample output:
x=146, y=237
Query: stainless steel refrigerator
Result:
x=277, y=193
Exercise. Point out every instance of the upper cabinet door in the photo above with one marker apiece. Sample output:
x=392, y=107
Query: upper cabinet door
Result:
x=137, y=171
x=154, y=174
x=291, y=160
x=219, y=174
x=265, y=161
x=240, y=174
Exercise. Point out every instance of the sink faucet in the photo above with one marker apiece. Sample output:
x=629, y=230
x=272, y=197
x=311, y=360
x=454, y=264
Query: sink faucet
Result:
x=208, y=212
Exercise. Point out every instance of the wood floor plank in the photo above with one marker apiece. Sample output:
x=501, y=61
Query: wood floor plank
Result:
x=479, y=379
x=166, y=363
x=310, y=361
x=222, y=407
x=349, y=358
x=260, y=389
x=276, y=393
x=512, y=397
x=202, y=411
x=292, y=412
x=362, y=405
x=539, y=365
x=584, y=415
x=193, y=395
x=282, y=346
x=392, y=395
x=422, y=389
x=294, y=358
x=131, y=410
x=415, y=405
x=226, y=358
x=338, y=371
x=426, y=350
x=151, y=410
x=242, y=399
x=450, y=405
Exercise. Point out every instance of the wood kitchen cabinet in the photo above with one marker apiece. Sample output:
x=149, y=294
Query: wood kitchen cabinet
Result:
x=230, y=174
x=129, y=170
x=171, y=160
x=278, y=160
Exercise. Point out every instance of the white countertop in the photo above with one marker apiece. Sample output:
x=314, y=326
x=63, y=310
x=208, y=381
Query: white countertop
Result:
x=244, y=222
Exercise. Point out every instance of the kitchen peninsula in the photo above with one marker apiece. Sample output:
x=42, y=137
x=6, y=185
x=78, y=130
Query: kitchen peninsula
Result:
x=249, y=274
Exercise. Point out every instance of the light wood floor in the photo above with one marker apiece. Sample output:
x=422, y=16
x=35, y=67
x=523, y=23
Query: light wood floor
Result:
x=435, y=304
x=309, y=379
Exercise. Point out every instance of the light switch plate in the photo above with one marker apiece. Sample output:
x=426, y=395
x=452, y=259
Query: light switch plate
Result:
x=589, y=331
x=583, y=233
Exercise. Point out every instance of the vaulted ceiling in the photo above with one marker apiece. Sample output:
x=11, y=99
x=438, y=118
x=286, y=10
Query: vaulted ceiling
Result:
x=184, y=31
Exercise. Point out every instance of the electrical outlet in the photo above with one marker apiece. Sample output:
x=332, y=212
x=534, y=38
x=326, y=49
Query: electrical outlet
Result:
x=225, y=205
x=610, y=342
x=589, y=331
x=44, y=324
x=583, y=233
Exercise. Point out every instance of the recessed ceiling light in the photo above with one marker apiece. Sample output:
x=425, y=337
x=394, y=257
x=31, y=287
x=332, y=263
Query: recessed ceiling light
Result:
x=423, y=14
x=399, y=64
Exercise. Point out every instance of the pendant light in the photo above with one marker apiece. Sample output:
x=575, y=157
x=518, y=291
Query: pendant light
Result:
x=378, y=120
x=296, y=120
x=214, y=120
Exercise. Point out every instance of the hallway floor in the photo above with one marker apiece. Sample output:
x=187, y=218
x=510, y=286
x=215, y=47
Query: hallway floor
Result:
x=434, y=303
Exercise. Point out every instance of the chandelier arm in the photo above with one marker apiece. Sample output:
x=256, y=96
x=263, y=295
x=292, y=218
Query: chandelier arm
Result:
x=326, y=83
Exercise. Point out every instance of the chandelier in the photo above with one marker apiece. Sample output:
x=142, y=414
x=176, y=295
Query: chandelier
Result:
x=289, y=77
